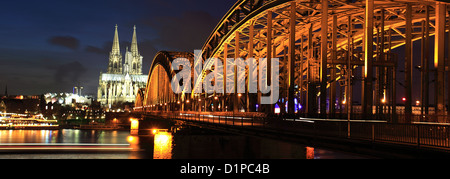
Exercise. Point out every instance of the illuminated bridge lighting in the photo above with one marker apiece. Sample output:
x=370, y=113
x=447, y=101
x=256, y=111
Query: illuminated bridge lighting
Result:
x=345, y=71
x=315, y=71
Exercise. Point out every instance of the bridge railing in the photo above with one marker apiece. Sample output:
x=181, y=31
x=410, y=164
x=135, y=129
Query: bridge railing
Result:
x=420, y=134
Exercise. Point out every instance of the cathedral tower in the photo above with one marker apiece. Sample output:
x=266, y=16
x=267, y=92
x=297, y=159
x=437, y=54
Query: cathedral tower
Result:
x=115, y=57
x=120, y=84
x=133, y=60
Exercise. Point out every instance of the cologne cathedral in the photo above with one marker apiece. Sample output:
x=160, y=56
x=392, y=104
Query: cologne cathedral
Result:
x=121, y=82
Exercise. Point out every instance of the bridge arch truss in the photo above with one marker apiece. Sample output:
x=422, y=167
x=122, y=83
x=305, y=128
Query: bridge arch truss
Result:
x=324, y=62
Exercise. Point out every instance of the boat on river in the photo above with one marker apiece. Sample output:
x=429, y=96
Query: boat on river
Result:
x=11, y=121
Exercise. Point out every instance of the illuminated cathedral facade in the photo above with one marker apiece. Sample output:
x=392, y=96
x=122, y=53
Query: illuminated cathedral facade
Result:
x=122, y=81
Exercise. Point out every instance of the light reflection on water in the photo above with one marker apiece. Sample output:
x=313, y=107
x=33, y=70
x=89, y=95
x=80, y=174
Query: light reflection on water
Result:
x=63, y=136
x=163, y=145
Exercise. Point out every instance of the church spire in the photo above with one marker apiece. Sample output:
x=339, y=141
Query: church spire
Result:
x=116, y=47
x=115, y=58
x=134, y=45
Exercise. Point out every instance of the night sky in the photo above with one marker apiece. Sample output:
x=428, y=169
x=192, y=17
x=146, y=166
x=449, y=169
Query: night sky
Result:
x=53, y=45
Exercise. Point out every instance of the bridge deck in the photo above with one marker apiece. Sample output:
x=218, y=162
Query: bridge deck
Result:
x=419, y=136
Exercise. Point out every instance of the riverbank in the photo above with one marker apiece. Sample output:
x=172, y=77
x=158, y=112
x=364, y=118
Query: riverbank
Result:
x=57, y=127
x=53, y=127
x=95, y=127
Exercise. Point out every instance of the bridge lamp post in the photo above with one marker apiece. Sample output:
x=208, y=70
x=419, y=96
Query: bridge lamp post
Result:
x=216, y=104
x=187, y=102
x=239, y=98
x=199, y=105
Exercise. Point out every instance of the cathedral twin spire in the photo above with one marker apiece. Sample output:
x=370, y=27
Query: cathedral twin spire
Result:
x=116, y=46
x=133, y=60
x=134, y=45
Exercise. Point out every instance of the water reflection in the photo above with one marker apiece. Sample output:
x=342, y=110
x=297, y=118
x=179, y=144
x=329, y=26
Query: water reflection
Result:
x=184, y=144
x=309, y=153
x=234, y=147
x=63, y=136
x=28, y=136
x=162, y=146
x=201, y=144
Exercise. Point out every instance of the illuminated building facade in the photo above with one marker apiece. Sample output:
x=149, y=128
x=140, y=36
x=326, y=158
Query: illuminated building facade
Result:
x=121, y=82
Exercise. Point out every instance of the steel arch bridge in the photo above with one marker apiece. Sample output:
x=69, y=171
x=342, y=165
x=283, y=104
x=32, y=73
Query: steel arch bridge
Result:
x=323, y=50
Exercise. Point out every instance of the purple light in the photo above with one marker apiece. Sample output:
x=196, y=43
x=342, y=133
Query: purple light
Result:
x=277, y=109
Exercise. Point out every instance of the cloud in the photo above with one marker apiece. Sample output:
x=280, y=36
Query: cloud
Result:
x=69, y=73
x=97, y=50
x=184, y=33
x=65, y=41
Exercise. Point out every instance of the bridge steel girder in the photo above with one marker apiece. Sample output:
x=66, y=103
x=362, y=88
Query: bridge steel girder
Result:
x=367, y=93
x=324, y=59
x=297, y=33
x=408, y=62
x=439, y=53
x=291, y=59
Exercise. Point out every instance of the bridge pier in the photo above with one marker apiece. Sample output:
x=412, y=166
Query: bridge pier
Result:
x=146, y=125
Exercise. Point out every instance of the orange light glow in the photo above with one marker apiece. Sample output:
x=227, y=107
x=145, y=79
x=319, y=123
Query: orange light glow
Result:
x=162, y=145
x=134, y=125
x=131, y=139
x=309, y=153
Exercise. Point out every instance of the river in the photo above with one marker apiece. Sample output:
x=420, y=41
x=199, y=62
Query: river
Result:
x=187, y=143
